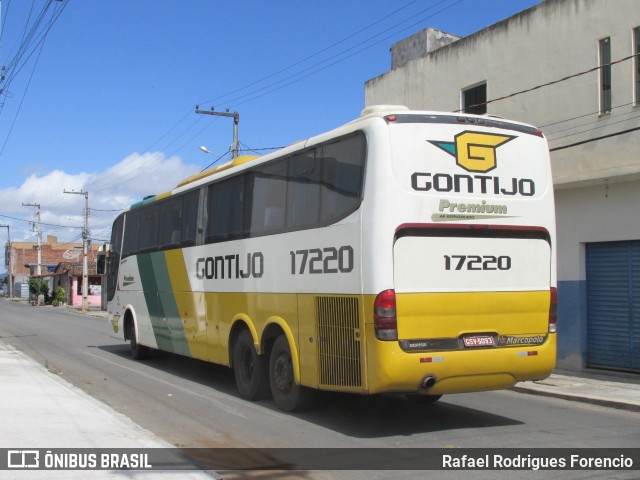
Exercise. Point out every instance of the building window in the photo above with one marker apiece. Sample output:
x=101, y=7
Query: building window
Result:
x=605, y=75
x=636, y=64
x=474, y=99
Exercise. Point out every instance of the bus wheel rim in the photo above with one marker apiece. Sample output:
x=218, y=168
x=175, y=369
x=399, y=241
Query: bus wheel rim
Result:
x=283, y=377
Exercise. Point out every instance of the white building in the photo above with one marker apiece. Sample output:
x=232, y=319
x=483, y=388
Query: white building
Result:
x=570, y=67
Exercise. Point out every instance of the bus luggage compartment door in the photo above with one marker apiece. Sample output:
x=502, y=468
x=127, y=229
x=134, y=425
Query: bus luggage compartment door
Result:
x=452, y=288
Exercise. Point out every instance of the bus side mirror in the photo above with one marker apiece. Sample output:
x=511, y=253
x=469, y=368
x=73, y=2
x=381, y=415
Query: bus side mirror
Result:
x=101, y=263
x=101, y=259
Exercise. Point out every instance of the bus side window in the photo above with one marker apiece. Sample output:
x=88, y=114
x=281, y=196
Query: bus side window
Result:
x=342, y=173
x=303, y=198
x=170, y=223
x=149, y=228
x=269, y=197
x=226, y=210
x=190, y=218
x=131, y=233
x=113, y=260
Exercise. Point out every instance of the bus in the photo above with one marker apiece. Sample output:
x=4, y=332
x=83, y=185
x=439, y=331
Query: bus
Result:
x=407, y=251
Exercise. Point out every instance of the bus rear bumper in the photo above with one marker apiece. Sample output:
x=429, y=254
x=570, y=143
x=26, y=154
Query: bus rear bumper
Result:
x=390, y=369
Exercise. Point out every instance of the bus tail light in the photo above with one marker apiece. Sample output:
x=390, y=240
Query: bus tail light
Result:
x=385, y=322
x=553, y=310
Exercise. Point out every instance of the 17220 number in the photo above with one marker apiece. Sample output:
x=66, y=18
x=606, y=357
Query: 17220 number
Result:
x=322, y=260
x=477, y=262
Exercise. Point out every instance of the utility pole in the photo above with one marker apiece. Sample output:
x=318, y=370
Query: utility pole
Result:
x=39, y=232
x=236, y=121
x=9, y=258
x=85, y=248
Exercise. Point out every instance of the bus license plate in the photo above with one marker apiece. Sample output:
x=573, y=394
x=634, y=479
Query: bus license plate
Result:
x=479, y=341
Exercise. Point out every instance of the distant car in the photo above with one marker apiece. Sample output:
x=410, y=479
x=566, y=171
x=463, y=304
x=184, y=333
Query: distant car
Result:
x=3, y=290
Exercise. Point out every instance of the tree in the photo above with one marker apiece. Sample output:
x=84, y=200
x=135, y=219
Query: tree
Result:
x=39, y=286
x=60, y=298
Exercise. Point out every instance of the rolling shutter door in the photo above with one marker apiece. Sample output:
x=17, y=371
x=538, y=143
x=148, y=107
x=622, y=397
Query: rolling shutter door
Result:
x=613, y=303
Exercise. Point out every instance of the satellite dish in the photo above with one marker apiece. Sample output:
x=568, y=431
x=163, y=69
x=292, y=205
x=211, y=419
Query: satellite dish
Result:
x=71, y=254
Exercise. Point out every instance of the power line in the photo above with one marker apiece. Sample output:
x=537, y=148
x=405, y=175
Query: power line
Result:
x=42, y=223
x=105, y=182
x=594, y=139
x=608, y=123
x=112, y=178
x=256, y=150
x=582, y=116
x=220, y=98
x=217, y=160
x=334, y=60
x=14, y=67
x=553, y=82
x=4, y=20
x=105, y=210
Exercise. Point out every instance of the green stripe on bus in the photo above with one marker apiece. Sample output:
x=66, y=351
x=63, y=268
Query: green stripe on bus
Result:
x=160, y=300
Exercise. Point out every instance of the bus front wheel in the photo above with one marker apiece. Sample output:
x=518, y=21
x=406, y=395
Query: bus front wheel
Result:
x=287, y=395
x=250, y=369
x=138, y=352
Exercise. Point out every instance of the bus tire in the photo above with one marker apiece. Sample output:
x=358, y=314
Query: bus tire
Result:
x=250, y=369
x=423, y=399
x=287, y=395
x=138, y=352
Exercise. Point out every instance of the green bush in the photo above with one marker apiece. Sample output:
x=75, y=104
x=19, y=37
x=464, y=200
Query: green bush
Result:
x=60, y=298
x=39, y=286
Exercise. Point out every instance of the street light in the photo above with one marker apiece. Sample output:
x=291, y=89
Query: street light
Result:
x=236, y=121
x=205, y=150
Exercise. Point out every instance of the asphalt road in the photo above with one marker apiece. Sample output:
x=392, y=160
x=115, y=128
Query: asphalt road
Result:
x=194, y=404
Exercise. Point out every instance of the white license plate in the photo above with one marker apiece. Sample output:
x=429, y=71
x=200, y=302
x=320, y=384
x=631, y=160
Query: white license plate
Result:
x=479, y=341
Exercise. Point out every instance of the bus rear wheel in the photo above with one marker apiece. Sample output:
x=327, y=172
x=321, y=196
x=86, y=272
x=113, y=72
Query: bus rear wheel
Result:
x=287, y=395
x=423, y=399
x=250, y=369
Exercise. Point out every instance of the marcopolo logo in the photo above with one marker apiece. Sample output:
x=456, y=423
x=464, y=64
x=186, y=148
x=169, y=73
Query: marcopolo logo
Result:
x=474, y=151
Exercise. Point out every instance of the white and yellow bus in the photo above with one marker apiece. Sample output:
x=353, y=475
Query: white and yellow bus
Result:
x=406, y=251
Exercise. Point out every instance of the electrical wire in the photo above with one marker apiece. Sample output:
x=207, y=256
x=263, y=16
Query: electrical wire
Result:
x=605, y=121
x=600, y=119
x=41, y=223
x=221, y=98
x=112, y=178
x=4, y=19
x=14, y=67
x=335, y=59
x=594, y=139
x=583, y=115
x=289, y=67
x=216, y=160
x=553, y=82
x=257, y=150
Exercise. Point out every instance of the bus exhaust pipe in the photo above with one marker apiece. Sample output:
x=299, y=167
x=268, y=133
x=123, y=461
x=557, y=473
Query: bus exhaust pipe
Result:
x=428, y=381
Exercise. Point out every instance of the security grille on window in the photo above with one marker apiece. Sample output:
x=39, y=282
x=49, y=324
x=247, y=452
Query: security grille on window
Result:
x=474, y=99
x=636, y=62
x=605, y=75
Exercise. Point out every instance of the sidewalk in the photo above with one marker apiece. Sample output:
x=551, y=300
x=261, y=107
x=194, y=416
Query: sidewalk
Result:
x=41, y=410
x=598, y=387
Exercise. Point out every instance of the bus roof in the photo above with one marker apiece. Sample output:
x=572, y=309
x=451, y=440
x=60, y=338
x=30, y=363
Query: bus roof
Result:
x=390, y=113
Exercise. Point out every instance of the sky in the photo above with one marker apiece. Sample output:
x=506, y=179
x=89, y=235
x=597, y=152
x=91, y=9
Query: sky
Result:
x=99, y=96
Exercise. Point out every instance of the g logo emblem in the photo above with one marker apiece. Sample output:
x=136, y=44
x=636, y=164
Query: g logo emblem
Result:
x=474, y=151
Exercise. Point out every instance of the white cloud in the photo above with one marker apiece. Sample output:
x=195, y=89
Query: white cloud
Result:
x=127, y=182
